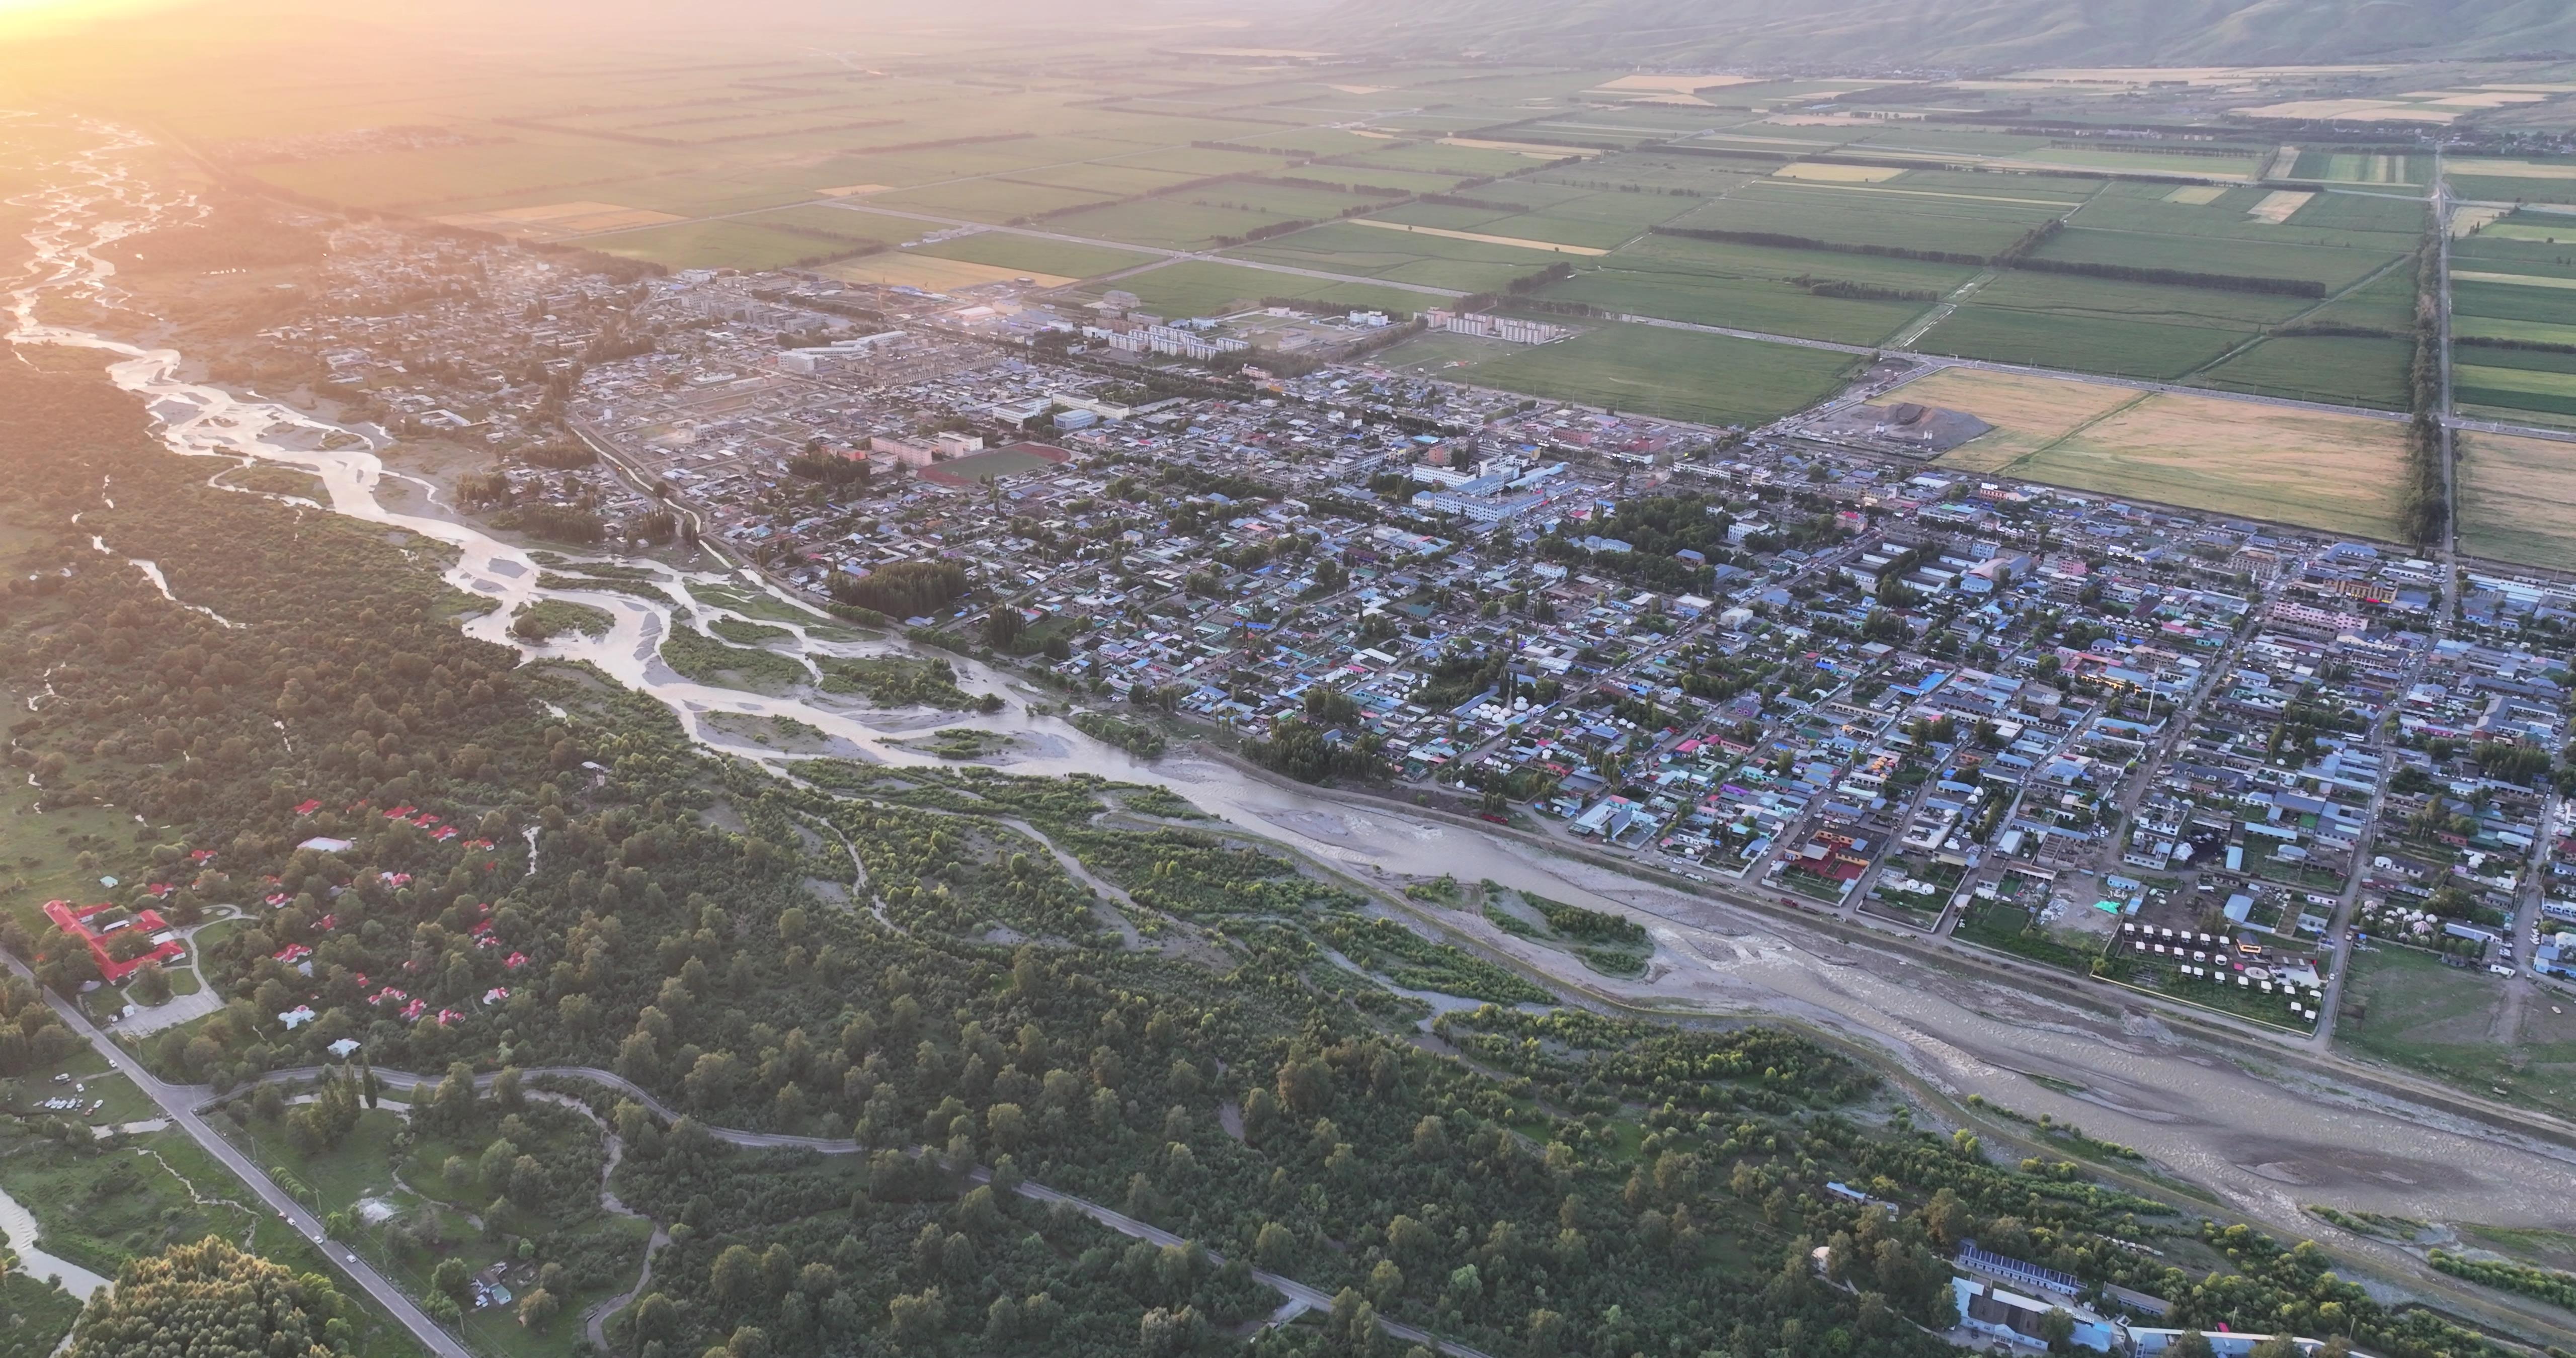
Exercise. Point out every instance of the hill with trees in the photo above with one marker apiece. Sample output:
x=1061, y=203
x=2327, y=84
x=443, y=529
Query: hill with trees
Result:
x=211, y=1300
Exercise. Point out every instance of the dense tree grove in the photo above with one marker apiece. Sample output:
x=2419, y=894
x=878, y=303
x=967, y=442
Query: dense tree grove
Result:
x=370, y=785
x=904, y=589
x=210, y=1300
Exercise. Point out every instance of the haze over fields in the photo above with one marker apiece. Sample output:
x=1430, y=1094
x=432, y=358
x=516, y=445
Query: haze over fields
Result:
x=1970, y=34
x=1221, y=679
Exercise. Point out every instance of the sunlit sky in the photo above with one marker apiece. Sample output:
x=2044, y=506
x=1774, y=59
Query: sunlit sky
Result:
x=26, y=16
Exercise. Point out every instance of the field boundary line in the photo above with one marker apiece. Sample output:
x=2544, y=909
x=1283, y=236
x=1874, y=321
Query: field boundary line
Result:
x=2079, y=427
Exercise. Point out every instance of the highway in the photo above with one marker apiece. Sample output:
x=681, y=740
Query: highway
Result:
x=180, y=1103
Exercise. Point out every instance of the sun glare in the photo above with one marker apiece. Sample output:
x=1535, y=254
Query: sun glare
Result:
x=19, y=18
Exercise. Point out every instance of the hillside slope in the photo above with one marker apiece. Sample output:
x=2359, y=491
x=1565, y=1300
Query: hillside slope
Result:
x=1977, y=34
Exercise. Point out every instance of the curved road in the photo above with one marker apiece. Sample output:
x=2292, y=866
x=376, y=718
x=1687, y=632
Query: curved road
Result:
x=185, y=1106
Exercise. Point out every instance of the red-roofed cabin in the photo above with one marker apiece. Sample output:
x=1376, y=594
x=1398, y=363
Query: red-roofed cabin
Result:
x=147, y=924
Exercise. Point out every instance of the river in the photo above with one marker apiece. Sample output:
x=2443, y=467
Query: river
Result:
x=20, y=1226
x=2266, y=1142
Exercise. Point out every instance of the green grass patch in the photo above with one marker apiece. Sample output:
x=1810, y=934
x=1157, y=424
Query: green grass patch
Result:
x=1064, y=259
x=746, y=633
x=1677, y=374
x=700, y=657
x=1416, y=963
x=898, y=681
x=547, y=619
x=2404, y=1007
x=2011, y=929
x=2081, y=343
x=2338, y=370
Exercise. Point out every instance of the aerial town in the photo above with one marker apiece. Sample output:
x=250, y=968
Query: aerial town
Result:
x=1796, y=659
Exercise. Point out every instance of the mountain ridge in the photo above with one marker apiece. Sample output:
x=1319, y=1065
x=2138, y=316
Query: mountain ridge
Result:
x=1957, y=34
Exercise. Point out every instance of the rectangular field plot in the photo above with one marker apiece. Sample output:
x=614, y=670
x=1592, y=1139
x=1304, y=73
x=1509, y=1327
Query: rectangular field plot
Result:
x=1036, y=255
x=2028, y=412
x=2082, y=343
x=1676, y=374
x=472, y=176
x=2335, y=370
x=1766, y=305
x=2335, y=266
x=990, y=200
x=2517, y=499
x=2359, y=167
x=740, y=244
x=2524, y=332
x=1163, y=223
x=1199, y=287
x=1404, y=257
x=2384, y=303
x=2337, y=473
x=2533, y=385
x=2109, y=299
x=1871, y=214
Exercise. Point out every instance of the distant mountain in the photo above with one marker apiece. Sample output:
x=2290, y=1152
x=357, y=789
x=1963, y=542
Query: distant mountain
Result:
x=1961, y=34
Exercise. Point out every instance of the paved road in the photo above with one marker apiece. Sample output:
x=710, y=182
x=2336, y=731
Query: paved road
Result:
x=195, y=1096
x=180, y=1104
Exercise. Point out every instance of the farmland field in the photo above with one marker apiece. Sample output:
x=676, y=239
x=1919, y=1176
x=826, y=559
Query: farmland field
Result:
x=1433, y=261
x=2084, y=343
x=1035, y=254
x=2518, y=499
x=2337, y=473
x=1773, y=306
x=2334, y=369
x=741, y=244
x=1677, y=374
x=1199, y=287
x=2028, y=412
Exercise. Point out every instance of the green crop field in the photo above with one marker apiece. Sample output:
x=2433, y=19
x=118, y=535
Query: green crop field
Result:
x=855, y=228
x=2512, y=189
x=2384, y=303
x=990, y=200
x=2336, y=266
x=1403, y=257
x=720, y=245
x=1434, y=158
x=1162, y=222
x=1200, y=287
x=1065, y=259
x=2518, y=385
x=1744, y=303
x=2023, y=290
x=2339, y=370
x=2080, y=343
x=1853, y=214
x=1677, y=374
x=2359, y=167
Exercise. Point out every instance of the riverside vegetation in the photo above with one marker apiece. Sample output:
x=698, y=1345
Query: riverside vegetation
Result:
x=1578, y=1186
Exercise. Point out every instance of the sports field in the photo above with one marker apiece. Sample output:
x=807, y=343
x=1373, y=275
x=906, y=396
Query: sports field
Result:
x=2518, y=499
x=2337, y=473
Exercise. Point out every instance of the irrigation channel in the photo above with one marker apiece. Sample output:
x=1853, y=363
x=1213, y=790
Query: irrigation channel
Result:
x=2265, y=1136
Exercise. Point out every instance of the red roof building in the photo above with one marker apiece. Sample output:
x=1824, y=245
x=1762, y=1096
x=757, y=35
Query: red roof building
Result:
x=144, y=924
